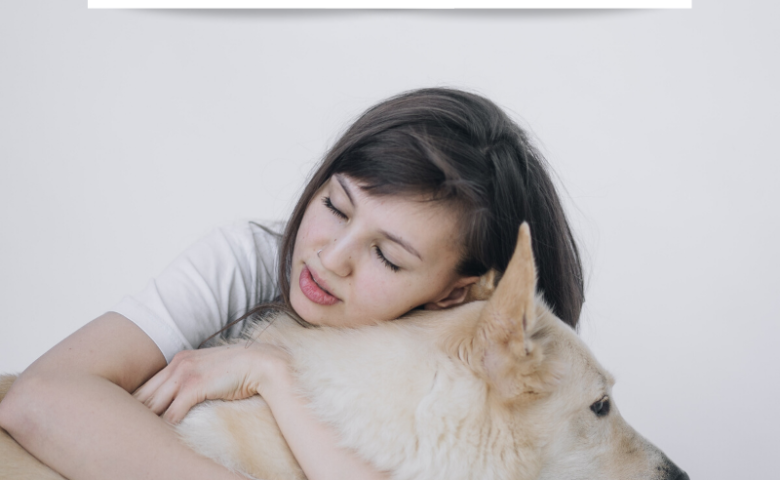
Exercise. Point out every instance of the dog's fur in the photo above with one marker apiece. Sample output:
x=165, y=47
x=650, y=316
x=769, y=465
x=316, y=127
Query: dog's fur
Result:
x=497, y=389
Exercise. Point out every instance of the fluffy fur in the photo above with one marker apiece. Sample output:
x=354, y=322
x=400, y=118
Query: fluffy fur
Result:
x=497, y=389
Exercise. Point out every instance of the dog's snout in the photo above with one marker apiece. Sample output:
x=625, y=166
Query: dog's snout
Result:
x=677, y=474
x=672, y=472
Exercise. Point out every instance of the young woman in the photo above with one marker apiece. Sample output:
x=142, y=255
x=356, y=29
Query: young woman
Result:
x=422, y=195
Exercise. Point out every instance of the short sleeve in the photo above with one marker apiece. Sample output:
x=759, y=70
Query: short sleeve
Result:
x=215, y=281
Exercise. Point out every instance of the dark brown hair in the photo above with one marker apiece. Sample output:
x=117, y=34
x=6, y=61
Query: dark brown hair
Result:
x=453, y=146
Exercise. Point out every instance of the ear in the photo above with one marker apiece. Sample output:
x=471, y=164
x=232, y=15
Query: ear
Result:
x=483, y=288
x=456, y=294
x=504, y=353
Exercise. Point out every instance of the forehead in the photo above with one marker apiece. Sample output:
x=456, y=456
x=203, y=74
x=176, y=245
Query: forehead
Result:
x=586, y=368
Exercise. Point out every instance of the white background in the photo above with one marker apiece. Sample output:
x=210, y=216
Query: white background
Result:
x=126, y=135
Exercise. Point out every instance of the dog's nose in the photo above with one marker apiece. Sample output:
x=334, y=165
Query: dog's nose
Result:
x=673, y=472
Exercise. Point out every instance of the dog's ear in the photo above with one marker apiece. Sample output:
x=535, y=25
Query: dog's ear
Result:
x=483, y=289
x=504, y=350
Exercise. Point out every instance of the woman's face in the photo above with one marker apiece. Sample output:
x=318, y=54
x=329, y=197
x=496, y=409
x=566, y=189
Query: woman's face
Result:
x=361, y=259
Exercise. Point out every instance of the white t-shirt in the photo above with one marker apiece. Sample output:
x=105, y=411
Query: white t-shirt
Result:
x=215, y=281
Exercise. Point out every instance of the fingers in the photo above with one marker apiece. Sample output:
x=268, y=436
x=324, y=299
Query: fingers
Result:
x=160, y=399
x=149, y=393
x=190, y=378
x=229, y=372
x=181, y=405
x=159, y=392
x=172, y=398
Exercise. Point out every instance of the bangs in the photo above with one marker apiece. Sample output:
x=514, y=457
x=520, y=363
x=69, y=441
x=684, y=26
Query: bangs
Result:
x=428, y=164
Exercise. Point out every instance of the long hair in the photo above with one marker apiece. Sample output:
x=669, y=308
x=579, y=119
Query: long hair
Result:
x=460, y=148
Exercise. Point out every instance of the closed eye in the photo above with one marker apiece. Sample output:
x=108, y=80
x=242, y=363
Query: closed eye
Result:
x=329, y=204
x=326, y=201
x=387, y=262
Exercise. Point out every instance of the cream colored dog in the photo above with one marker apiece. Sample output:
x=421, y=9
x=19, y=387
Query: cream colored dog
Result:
x=497, y=389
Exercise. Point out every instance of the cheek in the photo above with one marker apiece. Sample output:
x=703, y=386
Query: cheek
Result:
x=370, y=288
x=381, y=291
x=310, y=232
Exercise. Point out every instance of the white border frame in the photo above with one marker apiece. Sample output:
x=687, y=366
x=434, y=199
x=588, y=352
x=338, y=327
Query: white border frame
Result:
x=393, y=4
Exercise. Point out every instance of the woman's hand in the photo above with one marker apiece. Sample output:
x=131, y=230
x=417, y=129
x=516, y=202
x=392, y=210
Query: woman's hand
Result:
x=238, y=371
x=229, y=372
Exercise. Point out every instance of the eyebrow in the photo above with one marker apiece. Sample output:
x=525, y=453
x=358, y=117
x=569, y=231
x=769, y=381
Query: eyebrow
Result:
x=401, y=242
x=344, y=185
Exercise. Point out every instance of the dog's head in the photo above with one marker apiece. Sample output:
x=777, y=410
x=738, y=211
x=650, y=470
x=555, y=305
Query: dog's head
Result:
x=497, y=388
x=545, y=387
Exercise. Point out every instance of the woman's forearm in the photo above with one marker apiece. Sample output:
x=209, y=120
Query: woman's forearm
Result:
x=88, y=428
x=69, y=410
x=312, y=442
x=72, y=410
x=248, y=368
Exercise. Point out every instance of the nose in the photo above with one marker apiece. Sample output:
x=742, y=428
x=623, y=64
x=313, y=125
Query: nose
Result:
x=337, y=256
x=673, y=472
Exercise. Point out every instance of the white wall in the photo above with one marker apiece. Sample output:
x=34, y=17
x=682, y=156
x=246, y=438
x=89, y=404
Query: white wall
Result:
x=126, y=135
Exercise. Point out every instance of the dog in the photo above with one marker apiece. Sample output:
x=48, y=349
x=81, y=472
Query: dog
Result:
x=495, y=389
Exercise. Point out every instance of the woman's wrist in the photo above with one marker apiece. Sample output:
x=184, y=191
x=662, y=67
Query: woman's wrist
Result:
x=271, y=371
x=313, y=443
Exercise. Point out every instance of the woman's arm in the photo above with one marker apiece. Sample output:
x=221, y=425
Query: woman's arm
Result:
x=241, y=370
x=312, y=442
x=72, y=410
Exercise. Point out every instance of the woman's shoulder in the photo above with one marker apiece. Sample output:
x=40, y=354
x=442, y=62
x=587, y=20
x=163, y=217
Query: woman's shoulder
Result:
x=254, y=246
x=257, y=239
x=265, y=230
x=214, y=281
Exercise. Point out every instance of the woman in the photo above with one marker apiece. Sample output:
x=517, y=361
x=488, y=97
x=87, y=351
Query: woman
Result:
x=421, y=196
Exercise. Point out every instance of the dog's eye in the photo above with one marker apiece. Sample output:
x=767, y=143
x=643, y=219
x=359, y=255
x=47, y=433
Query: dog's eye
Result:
x=601, y=408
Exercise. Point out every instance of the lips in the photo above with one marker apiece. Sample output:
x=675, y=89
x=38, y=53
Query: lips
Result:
x=312, y=290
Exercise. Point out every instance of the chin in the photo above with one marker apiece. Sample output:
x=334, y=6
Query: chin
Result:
x=305, y=308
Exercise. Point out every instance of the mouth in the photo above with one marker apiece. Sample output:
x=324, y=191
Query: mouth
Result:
x=313, y=291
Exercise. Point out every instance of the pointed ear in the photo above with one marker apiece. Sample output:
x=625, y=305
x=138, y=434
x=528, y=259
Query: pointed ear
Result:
x=504, y=353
